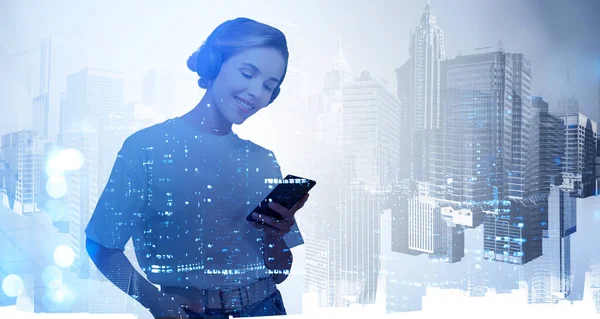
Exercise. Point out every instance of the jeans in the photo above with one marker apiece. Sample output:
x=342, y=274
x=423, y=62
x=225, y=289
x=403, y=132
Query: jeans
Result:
x=270, y=306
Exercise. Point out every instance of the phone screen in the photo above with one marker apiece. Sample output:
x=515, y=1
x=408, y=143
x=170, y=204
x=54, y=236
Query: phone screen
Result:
x=287, y=193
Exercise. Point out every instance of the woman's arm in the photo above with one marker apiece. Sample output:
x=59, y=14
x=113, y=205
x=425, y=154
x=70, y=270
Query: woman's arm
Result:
x=115, y=266
x=278, y=257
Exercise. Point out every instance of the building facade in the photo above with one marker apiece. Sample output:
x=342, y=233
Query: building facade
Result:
x=551, y=146
x=24, y=174
x=424, y=97
x=580, y=136
x=371, y=134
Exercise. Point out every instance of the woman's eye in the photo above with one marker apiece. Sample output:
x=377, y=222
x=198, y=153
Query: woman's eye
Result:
x=247, y=76
x=268, y=88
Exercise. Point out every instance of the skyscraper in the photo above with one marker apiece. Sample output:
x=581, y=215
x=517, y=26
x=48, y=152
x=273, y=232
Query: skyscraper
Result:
x=338, y=74
x=46, y=104
x=486, y=150
x=588, y=174
x=23, y=153
x=549, y=277
x=400, y=228
x=551, y=146
x=578, y=170
x=359, y=233
x=598, y=146
x=597, y=164
x=523, y=176
x=323, y=238
x=476, y=144
x=513, y=232
x=407, y=134
x=370, y=156
x=568, y=102
x=426, y=53
x=82, y=195
x=371, y=135
x=94, y=105
x=425, y=223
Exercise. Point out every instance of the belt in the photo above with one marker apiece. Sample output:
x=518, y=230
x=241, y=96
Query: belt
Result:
x=227, y=299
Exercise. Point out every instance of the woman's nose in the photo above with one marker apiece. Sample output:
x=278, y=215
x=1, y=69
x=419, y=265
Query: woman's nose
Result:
x=255, y=90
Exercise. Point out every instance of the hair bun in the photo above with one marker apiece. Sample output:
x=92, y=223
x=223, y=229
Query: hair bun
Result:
x=193, y=61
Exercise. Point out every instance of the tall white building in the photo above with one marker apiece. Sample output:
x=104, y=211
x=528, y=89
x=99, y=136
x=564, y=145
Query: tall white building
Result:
x=322, y=233
x=46, y=103
x=425, y=223
x=83, y=192
x=94, y=109
x=329, y=118
x=403, y=77
x=426, y=53
x=371, y=134
x=359, y=245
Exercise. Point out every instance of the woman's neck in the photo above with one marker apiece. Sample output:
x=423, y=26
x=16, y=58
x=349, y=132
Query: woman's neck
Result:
x=206, y=118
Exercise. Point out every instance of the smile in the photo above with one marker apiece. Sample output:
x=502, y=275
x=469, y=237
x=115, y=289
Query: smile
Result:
x=243, y=104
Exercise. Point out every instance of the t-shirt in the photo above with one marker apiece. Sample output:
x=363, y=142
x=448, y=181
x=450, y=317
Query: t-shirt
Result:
x=183, y=197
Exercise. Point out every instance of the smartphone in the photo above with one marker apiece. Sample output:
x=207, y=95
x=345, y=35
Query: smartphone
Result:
x=287, y=193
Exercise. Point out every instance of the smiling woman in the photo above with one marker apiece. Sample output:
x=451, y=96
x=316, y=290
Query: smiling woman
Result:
x=182, y=190
x=242, y=65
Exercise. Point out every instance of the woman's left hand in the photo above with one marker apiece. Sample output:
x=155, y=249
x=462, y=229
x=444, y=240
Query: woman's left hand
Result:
x=278, y=227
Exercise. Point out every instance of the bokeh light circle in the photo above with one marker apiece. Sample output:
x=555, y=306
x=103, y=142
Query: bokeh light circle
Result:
x=64, y=256
x=71, y=159
x=63, y=294
x=60, y=161
x=12, y=285
x=52, y=277
x=56, y=186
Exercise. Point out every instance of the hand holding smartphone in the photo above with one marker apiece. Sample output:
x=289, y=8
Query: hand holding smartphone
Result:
x=287, y=193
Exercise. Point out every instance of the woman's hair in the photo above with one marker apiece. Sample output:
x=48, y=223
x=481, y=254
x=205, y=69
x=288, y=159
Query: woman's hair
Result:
x=231, y=38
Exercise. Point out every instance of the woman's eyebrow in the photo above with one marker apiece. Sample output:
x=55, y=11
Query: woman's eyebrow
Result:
x=258, y=71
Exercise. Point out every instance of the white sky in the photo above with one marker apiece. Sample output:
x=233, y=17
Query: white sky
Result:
x=135, y=36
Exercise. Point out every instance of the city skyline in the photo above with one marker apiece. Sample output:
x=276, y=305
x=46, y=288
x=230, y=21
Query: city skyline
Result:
x=368, y=175
x=541, y=41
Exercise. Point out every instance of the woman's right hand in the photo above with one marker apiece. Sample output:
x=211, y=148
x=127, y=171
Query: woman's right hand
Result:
x=172, y=306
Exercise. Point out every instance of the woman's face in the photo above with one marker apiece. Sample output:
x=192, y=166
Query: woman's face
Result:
x=246, y=82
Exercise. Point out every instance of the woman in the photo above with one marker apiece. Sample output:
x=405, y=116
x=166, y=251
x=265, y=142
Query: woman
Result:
x=182, y=190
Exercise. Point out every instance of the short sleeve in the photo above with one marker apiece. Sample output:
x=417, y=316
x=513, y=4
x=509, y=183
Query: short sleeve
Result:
x=120, y=205
x=293, y=238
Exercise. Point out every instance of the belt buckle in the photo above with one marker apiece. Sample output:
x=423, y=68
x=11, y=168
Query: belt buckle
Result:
x=240, y=302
